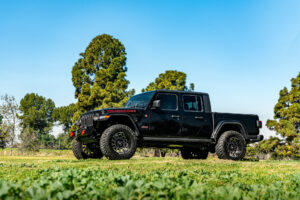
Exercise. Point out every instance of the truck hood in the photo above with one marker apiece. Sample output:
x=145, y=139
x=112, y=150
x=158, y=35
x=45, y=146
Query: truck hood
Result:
x=115, y=111
x=87, y=118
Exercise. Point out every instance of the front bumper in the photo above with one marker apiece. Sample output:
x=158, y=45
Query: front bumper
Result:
x=255, y=138
x=80, y=133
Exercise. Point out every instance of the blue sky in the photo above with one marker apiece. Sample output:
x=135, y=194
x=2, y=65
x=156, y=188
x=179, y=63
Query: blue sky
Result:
x=240, y=52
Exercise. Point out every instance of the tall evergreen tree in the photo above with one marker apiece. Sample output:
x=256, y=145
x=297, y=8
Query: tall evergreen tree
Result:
x=99, y=75
x=286, y=120
x=170, y=80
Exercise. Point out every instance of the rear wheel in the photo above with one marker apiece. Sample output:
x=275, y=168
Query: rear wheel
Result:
x=193, y=153
x=85, y=151
x=118, y=142
x=231, y=145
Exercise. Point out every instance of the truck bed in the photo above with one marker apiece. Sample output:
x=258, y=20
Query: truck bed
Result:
x=249, y=121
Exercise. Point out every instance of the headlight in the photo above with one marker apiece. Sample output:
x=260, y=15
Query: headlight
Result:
x=102, y=117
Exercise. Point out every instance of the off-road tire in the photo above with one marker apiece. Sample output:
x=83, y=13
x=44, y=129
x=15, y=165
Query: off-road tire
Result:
x=223, y=149
x=79, y=154
x=193, y=153
x=107, y=138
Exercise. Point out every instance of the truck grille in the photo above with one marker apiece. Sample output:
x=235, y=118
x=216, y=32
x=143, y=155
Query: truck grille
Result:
x=87, y=120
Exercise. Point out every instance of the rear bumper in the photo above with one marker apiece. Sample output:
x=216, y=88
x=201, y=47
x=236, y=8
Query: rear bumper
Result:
x=255, y=138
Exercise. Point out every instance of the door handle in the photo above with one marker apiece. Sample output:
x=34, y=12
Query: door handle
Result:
x=199, y=117
x=175, y=116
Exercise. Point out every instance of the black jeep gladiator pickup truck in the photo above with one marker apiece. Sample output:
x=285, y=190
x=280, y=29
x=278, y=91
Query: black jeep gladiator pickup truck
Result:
x=164, y=119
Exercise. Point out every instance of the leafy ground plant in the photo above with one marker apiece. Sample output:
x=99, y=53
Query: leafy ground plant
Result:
x=56, y=177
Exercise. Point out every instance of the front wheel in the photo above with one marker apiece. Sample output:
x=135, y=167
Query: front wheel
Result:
x=85, y=151
x=231, y=145
x=118, y=142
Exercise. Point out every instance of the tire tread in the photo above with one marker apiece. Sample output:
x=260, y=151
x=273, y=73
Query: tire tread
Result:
x=105, y=146
x=76, y=148
x=220, y=146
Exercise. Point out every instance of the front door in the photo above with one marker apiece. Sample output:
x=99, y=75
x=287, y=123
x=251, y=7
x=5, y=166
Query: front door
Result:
x=166, y=120
x=195, y=122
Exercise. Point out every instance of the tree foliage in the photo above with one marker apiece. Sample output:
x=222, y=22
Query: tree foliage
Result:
x=268, y=146
x=265, y=148
x=64, y=116
x=36, y=113
x=286, y=123
x=48, y=141
x=63, y=141
x=8, y=111
x=286, y=120
x=275, y=148
x=99, y=75
x=290, y=150
x=170, y=80
x=29, y=139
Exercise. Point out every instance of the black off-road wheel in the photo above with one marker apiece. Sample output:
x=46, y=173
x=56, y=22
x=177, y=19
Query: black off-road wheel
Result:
x=118, y=142
x=85, y=151
x=231, y=145
x=193, y=153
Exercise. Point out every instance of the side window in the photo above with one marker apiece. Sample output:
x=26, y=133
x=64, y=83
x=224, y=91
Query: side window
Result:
x=192, y=103
x=167, y=101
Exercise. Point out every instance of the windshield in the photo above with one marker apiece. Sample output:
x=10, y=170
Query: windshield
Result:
x=139, y=101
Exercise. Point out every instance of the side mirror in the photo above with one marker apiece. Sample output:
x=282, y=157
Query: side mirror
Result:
x=156, y=104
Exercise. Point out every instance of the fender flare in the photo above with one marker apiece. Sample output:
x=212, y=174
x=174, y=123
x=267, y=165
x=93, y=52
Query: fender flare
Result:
x=217, y=132
x=136, y=131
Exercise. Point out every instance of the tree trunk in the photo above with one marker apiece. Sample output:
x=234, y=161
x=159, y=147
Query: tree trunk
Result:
x=13, y=132
x=156, y=152
x=10, y=151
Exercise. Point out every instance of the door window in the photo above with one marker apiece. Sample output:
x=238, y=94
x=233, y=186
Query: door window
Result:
x=167, y=101
x=192, y=103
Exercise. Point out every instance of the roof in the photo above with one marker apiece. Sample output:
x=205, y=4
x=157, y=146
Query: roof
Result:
x=180, y=91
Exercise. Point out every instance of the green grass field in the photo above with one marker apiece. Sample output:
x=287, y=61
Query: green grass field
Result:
x=57, y=175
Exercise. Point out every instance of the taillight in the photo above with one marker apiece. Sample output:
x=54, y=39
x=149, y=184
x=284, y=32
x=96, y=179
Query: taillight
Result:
x=83, y=132
x=259, y=123
x=71, y=134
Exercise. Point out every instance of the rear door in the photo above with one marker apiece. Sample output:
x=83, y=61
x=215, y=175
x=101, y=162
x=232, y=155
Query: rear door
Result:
x=196, y=123
x=165, y=121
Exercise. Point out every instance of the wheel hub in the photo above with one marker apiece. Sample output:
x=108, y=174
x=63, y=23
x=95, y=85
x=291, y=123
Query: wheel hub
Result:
x=234, y=147
x=119, y=142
